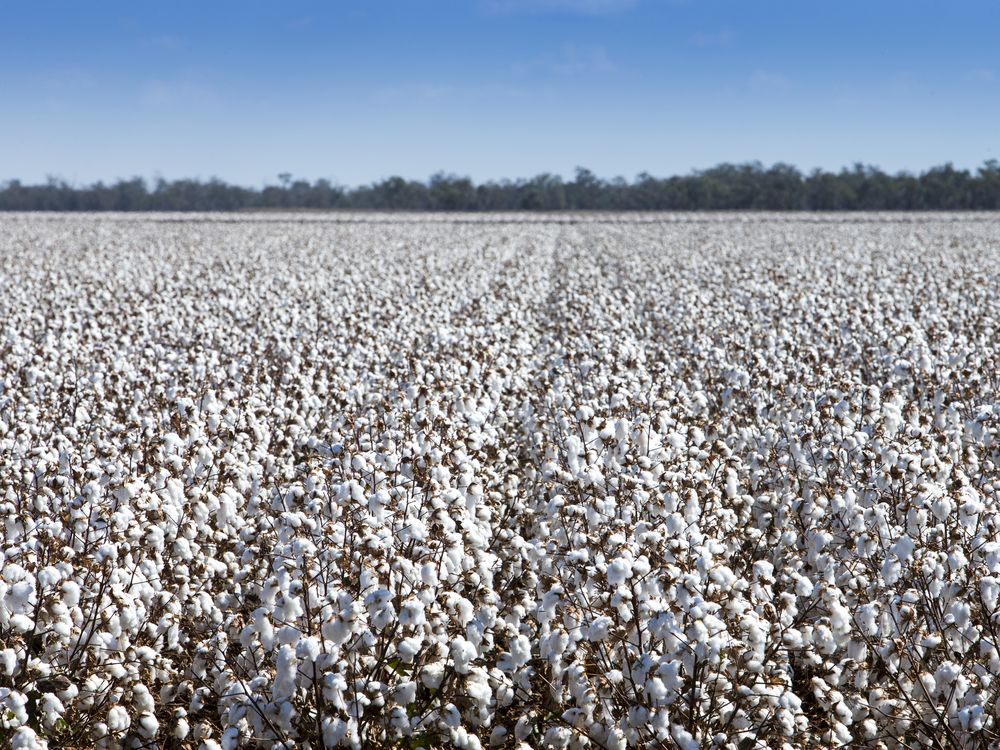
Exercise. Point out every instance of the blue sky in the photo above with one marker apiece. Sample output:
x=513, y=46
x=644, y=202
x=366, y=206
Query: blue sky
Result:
x=358, y=91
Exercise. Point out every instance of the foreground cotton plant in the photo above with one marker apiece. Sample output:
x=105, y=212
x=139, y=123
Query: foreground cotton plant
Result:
x=615, y=482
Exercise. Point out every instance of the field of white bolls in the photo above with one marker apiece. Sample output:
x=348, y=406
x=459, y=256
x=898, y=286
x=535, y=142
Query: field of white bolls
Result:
x=302, y=481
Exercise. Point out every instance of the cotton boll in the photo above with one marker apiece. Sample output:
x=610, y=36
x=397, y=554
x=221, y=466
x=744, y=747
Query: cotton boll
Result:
x=517, y=655
x=118, y=720
x=285, y=673
x=600, y=628
x=148, y=725
x=230, y=739
x=308, y=649
x=8, y=661
x=989, y=589
x=462, y=654
x=432, y=675
x=25, y=738
x=942, y=507
x=619, y=571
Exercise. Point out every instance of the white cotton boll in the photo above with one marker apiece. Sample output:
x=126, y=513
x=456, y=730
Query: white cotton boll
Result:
x=148, y=725
x=732, y=485
x=462, y=739
x=619, y=571
x=989, y=589
x=25, y=738
x=49, y=576
x=181, y=728
x=616, y=739
x=942, y=507
x=432, y=674
x=656, y=690
x=477, y=686
x=840, y=618
x=142, y=700
x=462, y=654
x=824, y=640
x=335, y=731
x=890, y=571
x=308, y=649
x=118, y=720
x=867, y=618
x=429, y=574
x=411, y=613
x=265, y=630
x=723, y=576
x=764, y=571
x=803, y=586
x=21, y=624
x=972, y=718
x=14, y=704
x=450, y=715
x=945, y=675
x=70, y=593
x=684, y=739
x=517, y=655
x=8, y=661
x=409, y=647
x=286, y=666
x=230, y=739
x=792, y=638
x=557, y=738
x=464, y=611
x=523, y=728
x=960, y=613
x=599, y=628
x=405, y=692
x=380, y=609
x=903, y=548
x=51, y=708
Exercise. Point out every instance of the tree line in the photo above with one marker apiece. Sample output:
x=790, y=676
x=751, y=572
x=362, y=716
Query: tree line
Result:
x=750, y=186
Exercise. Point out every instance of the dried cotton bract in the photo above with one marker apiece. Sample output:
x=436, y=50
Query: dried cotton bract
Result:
x=592, y=482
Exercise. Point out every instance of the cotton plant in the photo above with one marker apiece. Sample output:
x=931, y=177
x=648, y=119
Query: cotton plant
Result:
x=663, y=481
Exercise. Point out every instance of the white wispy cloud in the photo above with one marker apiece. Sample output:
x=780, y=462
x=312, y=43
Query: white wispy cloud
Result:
x=65, y=78
x=570, y=59
x=583, y=59
x=720, y=38
x=766, y=80
x=164, y=42
x=581, y=7
x=980, y=75
x=436, y=92
x=176, y=93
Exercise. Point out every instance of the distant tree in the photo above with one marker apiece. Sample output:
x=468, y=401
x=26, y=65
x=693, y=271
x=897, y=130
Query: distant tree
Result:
x=747, y=186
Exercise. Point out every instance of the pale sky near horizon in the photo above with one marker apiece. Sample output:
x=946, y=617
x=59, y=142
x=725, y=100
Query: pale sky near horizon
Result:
x=359, y=91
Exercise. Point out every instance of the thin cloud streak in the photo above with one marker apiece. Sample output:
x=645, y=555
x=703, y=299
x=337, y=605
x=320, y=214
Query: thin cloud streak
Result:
x=720, y=38
x=578, y=7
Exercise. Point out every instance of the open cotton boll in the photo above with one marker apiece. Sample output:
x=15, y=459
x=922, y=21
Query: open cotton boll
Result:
x=517, y=655
x=599, y=628
x=619, y=571
x=148, y=725
x=118, y=720
x=286, y=666
x=431, y=675
x=8, y=661
x=25, y=738
x=462, y=654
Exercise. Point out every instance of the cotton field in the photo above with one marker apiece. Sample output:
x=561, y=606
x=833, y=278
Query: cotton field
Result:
x=601, y=481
